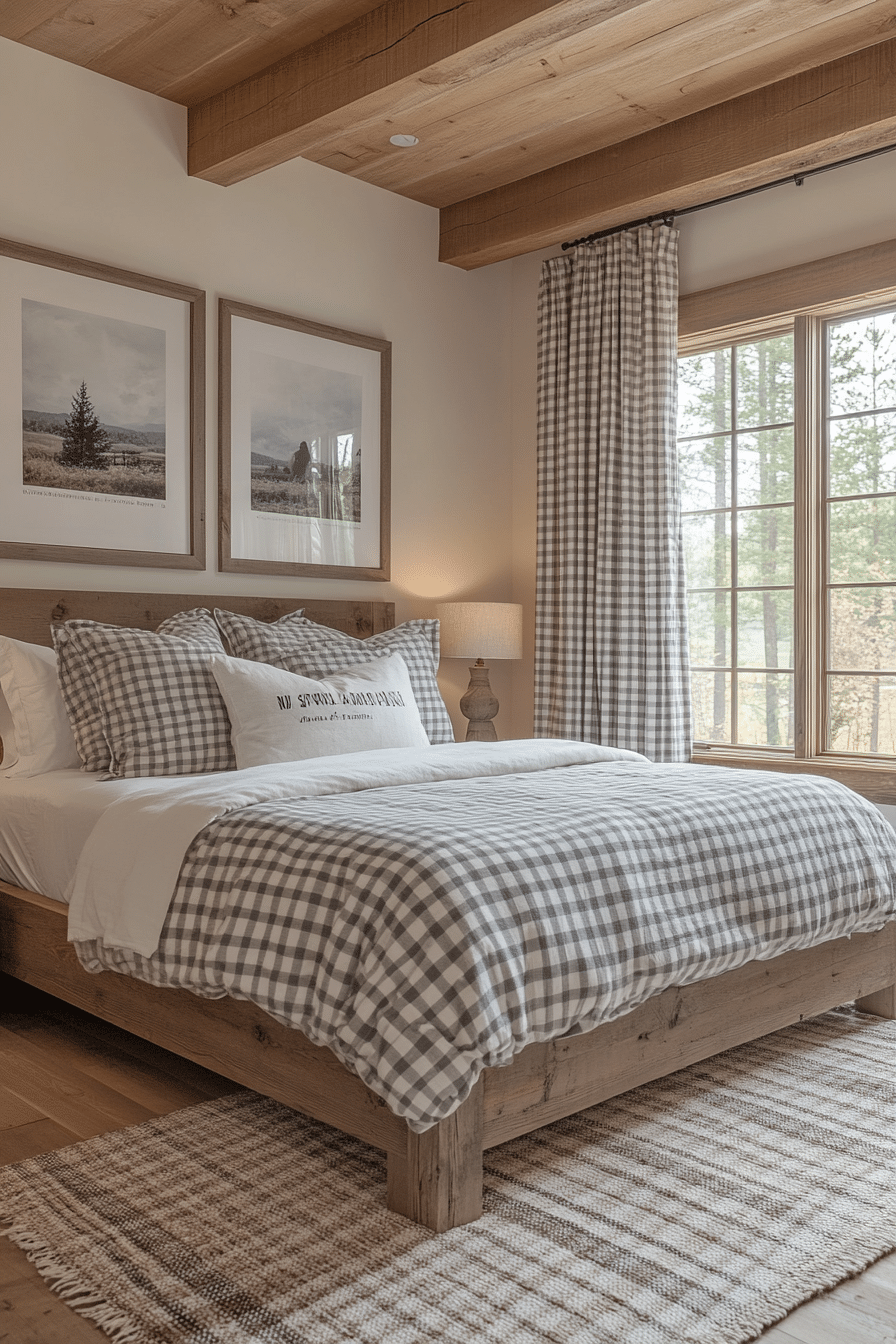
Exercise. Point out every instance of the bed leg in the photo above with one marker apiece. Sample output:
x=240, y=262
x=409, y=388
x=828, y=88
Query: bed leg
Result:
x=881, y=1004
x=438, y=1182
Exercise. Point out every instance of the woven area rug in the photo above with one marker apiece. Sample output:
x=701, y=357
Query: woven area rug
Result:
x=694, y=1210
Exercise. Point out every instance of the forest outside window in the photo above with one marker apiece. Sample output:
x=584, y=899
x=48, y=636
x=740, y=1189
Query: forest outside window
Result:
x=787, y=451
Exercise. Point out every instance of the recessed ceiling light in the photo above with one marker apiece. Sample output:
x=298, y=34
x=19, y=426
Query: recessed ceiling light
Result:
x=403, y=141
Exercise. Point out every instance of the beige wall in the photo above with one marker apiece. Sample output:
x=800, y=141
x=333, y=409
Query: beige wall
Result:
x=833, y=212
x=96, y=169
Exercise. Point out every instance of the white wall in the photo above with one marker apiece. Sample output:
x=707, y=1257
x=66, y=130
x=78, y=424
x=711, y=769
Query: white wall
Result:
x=97, y=169
x=889, y=812
x=834, y=212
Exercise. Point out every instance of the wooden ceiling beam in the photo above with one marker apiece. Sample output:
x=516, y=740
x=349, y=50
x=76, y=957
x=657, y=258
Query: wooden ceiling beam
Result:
x=399, y=56
x=831, y=112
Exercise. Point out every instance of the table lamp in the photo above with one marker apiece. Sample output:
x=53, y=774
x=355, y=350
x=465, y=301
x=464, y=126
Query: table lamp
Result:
x=480, y=630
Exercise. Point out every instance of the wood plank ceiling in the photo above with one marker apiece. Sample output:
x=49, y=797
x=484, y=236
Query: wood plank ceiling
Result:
x=537, y=120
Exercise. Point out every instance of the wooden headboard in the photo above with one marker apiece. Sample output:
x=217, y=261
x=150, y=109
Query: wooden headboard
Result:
x=26, y=613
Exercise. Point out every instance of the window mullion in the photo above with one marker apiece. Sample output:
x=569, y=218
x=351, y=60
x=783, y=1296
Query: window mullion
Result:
x=733, y=576
x=810, y=536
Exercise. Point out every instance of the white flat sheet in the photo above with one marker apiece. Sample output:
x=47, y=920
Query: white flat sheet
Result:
x=45, y=821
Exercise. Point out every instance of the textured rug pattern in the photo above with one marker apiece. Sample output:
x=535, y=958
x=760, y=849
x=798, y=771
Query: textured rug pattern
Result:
x=694, y=1210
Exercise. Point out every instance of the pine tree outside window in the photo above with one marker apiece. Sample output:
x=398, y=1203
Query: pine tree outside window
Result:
x=787, y=449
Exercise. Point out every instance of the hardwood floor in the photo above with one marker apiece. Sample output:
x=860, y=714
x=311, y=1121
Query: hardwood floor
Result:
x=67, y=1076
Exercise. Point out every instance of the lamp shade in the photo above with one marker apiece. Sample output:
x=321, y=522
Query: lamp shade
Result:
x=481, y=629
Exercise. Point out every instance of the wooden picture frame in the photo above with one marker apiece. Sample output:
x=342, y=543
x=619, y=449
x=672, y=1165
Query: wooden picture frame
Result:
x=112, y=469
x=301, y=407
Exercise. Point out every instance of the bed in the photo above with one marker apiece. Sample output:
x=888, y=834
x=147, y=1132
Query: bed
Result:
x=435, y=1176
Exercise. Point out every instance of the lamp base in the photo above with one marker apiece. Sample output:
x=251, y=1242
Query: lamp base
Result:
x=480, y=705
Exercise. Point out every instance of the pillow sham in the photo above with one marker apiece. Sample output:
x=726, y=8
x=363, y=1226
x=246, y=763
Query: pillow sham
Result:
x=300, y=645
x=281, y=716
x=142, y=702
x=37, y=736
x=8, y=749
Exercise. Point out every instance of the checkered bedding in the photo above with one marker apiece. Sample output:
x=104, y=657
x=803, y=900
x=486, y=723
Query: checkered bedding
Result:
x=426, y=932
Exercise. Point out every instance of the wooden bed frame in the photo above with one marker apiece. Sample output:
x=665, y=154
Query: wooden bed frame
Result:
x=434, y=1178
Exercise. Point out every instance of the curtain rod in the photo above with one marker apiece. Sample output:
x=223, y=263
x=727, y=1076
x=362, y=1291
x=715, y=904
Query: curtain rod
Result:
x=668, y=216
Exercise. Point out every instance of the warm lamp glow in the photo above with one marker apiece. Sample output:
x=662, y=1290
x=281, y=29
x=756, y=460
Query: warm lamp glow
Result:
x=480, y=629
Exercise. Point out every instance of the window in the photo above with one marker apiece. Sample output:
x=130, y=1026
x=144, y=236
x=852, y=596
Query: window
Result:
x=787, y=450
x=860, y=433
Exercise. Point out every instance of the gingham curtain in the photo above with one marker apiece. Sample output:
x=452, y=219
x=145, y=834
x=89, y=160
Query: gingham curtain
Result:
x=611, y=660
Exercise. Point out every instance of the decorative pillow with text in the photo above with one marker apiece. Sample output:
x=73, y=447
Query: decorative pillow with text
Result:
x=281, y=716
x=298, y=644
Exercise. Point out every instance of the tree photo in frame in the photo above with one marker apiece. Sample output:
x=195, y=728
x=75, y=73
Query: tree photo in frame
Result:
x=304, y=444
x=103, y=381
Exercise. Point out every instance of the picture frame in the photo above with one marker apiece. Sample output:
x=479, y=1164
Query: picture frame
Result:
x=112, y=464
x=304, y=443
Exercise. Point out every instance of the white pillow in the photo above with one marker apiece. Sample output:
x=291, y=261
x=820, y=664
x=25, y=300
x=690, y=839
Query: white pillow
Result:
x=9, y=752
x=43, y=735
x=277, y=715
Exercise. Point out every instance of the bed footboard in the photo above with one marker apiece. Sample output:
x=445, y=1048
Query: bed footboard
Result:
x=436, y=1178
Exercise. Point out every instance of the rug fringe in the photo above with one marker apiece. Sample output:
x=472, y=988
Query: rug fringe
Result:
x=74, y=1293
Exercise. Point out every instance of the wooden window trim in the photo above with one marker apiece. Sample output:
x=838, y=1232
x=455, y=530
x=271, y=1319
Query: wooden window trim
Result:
x=801, y=298
x=848, y=278
x=875, y=781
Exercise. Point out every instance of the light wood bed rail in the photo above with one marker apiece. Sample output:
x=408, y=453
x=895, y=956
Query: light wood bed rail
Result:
x=434, y=1178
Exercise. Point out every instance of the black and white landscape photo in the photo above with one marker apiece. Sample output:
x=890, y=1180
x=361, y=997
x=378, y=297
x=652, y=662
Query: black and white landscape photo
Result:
x=93, y=403
x=305, y=439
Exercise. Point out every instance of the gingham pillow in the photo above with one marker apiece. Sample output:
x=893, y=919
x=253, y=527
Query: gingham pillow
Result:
x=300, y=645
x=145, y=703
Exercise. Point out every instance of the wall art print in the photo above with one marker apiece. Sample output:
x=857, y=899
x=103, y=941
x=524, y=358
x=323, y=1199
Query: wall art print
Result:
x=304, y=443
x=102, y=377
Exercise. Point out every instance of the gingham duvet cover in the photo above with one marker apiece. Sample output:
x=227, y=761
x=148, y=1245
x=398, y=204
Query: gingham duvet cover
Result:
x=425, y=932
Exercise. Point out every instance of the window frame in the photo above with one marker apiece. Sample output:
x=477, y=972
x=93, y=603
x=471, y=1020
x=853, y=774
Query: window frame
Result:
x=802, y=299
x=724, y=339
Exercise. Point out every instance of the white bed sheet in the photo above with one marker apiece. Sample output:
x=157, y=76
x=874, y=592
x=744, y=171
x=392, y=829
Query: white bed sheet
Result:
x=44, y=823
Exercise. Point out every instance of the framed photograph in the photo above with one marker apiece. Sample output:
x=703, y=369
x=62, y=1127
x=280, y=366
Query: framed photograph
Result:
x=304, y=442
x=102, y=406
